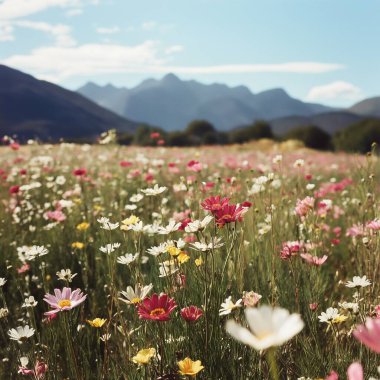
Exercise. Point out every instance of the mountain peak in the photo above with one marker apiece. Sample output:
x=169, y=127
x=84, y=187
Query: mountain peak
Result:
x=171, y=78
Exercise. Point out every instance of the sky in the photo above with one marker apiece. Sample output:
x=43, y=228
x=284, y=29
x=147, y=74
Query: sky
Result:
x=323, y=51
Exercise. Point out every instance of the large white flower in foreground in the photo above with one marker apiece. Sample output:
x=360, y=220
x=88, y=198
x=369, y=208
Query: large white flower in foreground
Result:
x=268, y=327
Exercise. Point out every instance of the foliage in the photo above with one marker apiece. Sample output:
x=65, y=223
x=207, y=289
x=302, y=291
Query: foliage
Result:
x=312, y=136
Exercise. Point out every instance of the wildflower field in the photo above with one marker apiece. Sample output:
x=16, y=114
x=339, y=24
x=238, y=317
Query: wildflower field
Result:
x=241, y=262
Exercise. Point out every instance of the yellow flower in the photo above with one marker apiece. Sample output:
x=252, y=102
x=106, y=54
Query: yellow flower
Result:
x=98, y=208
x=339, y=319
x=78, y=201
x=188, y=367
x=133, y=219
x=183, y=257
x=173, y=251
x=83, y=226
x=144, y=356
x=198, y=262
x=77, y=244
x=97, y=322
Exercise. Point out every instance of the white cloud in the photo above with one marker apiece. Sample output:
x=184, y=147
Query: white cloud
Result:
x=148, y=25
x=338, y=90
x=13, y=9
x=74, y=12
x=6, y=32
x=58, y=63
x=174, y=49
x=110, y=30
x=61, y=33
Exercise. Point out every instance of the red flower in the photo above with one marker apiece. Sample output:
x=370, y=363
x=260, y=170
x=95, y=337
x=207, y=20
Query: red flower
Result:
x=191, y=313
x=125, y=164
x=14, y=189
x=80, y=172
x=229, y=214
x=184, y=223
x=155, y=135
x=214, y=204
x=157, y=307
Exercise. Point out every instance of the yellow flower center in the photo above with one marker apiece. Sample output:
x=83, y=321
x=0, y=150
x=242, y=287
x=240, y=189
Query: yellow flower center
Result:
x=157, y=311
x=136, y=300
x=63, y=303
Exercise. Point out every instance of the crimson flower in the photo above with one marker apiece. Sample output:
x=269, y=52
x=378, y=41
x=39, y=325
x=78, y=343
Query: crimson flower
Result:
x=191, y=313
x=80, y=172
x=214, y=204
x=157, y=307
x=229, y=214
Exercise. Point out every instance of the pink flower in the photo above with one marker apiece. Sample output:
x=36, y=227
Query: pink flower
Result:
x=157, y=307
x=332, y=376
x=214, y=204
x=304, y=206
x=374, y=225
x=56, y=215
x=289, y=249
x=313, y=306
x=65, y=300
x=355, y=372
x=24, y=268
x=251, y=299
x=356, y=230
x=377, y=311
x=191, y=313
x=195, y=166
x=38, y=372
x=313, y=260
x=80, y=172
x=369, y=334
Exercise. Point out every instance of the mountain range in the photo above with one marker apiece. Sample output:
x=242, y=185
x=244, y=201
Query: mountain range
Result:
x=33, y=108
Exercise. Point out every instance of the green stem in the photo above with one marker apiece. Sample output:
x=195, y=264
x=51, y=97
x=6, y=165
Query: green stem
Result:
x=271, y=357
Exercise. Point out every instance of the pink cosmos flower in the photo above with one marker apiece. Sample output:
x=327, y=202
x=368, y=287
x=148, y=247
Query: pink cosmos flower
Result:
x=64, y=300
x=313, y=260
x=289, y=249
x=195, y=166
x=332, y=376
x=229, y=214
x=377, y=311
x=157, y=307
x=191, y=313
x=374, y=225
x=355, y=372
x=356, y=230
x=214, y=204
x=369, y=334
x=304, y=206
x=56, y=215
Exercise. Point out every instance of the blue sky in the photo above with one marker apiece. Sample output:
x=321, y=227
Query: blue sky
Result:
x=317, y=50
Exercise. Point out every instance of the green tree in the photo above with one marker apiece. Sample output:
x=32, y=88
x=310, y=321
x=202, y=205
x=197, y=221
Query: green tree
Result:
x=258, y=130
x=311, y=135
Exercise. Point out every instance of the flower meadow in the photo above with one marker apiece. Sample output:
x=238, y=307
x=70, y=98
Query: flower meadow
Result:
x=237, y=262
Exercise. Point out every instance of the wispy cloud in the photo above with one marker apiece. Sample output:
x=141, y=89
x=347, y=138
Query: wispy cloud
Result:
x=338, y=90
x=58, y=63
x=60, y=32
x=109, y=30
x=6, y=32
x=149, y=25
x=13, y=9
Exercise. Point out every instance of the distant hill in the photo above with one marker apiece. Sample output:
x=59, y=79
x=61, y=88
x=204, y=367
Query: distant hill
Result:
x=330, y=122
x=34, y=108
x=367, y=107
x=172, y=103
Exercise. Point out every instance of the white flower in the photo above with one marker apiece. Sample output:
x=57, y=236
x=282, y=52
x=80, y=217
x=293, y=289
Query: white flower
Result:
x=154, y=191
x=2, y=281
x=134, y=296
x=349, y=306
x=136, y=198
x=4, y=312
x=26, y=253
x=277, y=159
x=299, y=163
x=105, y=337
x=268, y=327
x=228, y=305
x=171, y=227
x=199, y=225
x=127, y=258
x=310, y=186
x=29, y=302
x=330, y=314
x=203, y=246
x=21, y=333
x=109, y=248
x=137, y=227
x=358, y=281
x=65, y=275
x=157, y=250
